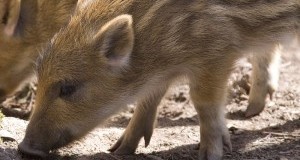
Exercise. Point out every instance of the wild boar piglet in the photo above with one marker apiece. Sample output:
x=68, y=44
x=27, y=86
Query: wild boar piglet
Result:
x=25, y=25
x=117, y=52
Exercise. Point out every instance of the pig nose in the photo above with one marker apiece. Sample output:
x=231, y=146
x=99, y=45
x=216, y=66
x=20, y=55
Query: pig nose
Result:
x=25, y=148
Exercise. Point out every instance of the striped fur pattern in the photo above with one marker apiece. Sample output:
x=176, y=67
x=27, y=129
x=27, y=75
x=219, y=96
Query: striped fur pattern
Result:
x=115, y=52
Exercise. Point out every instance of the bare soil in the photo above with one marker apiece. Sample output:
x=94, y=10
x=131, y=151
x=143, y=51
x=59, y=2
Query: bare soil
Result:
x=272, y=135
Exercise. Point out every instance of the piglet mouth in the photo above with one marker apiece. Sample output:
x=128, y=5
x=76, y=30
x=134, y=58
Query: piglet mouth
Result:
x=63, y=141
x=27, y=149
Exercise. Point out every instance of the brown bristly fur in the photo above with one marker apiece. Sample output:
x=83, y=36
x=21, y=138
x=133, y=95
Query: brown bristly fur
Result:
x=116, y=52
x=25, y=26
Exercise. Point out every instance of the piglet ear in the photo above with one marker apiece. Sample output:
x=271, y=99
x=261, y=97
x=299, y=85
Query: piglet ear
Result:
x=9, y=14
x=115, y=40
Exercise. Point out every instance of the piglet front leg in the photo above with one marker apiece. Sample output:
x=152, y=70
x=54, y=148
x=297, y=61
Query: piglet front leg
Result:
x=141, y=125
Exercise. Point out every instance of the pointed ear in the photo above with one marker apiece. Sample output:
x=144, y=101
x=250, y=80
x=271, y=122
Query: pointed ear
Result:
x=9, y=14
x=115, y=40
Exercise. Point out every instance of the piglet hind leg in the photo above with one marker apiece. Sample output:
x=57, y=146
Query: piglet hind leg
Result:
x=264, y=80
x=140, y=125
x=208, y=96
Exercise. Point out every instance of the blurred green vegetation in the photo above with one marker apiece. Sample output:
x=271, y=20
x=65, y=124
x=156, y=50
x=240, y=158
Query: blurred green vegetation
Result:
x=1, y=115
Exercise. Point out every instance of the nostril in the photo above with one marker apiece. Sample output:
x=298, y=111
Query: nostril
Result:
x=26, y=149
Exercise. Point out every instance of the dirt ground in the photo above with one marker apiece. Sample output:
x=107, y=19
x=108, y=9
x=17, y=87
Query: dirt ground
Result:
x=273, y=135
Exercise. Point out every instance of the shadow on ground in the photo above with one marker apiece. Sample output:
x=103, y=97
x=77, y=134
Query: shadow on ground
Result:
x=188, y=152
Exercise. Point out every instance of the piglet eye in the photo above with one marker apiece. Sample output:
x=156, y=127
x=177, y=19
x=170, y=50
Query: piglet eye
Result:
x=67, y=90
